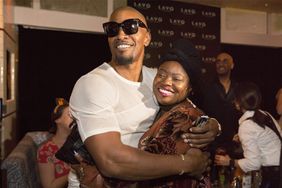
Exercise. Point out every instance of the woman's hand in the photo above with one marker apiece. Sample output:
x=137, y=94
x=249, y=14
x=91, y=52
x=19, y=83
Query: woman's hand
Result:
x=222, y=160
x=88, y=175
x=199, y=162
x=236, y=138
x=200, y=137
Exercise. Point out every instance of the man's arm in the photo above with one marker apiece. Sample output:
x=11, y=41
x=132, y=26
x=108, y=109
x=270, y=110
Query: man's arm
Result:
x=117, y=160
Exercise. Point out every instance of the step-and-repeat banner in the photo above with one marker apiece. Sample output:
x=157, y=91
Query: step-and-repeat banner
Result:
x=171, y=20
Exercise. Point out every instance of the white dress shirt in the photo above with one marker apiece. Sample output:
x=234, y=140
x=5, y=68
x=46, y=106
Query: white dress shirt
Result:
x=261, y=146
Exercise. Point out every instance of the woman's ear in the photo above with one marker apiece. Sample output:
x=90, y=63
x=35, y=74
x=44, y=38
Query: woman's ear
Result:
x=147, y=39
x=189, y=91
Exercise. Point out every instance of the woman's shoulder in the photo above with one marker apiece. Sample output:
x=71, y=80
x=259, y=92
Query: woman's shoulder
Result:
x=49, y=146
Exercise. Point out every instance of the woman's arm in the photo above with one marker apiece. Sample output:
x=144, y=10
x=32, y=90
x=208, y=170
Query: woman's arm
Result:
x=248, y=134
x=225, y=160
x=117, y=160
x=47, y=176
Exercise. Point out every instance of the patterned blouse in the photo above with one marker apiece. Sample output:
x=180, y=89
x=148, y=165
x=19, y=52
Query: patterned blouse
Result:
x=46, y=153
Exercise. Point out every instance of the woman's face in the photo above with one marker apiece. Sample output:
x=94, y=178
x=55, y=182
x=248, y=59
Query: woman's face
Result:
x=171, y=84
x=65, y=119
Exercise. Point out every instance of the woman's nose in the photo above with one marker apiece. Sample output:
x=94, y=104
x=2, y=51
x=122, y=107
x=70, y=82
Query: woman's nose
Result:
x=167, y=80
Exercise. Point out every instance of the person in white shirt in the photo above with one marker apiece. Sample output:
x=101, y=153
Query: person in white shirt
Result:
x=114, y=105
x=260, y=136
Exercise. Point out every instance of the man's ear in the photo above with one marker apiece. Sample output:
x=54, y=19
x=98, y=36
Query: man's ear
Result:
x=147, y=39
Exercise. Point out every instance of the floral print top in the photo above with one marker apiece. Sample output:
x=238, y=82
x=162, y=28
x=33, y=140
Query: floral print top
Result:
x=46, y=154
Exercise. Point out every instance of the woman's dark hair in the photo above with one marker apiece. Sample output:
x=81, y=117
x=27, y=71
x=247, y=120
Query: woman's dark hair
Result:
x=248, y=95
x=57, y=113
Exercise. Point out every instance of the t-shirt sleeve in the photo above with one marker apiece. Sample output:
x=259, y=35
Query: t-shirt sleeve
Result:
x=91, y=103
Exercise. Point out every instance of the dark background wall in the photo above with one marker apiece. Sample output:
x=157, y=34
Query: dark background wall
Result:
x=50, y=62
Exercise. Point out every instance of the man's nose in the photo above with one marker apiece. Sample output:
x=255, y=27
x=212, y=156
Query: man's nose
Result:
x=121, y=33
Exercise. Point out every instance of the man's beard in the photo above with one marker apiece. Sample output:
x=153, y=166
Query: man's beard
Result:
x=124, y=60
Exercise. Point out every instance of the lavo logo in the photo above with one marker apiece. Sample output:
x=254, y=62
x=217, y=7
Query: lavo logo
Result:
x=208, y=37
x=188, y=11
x=208, y=14
x=200, y=47
x=154, y=19
x=156, y=44
x=208, y=59
x=142, y=5
x=189, y=35
x=165, y=8
x=176, y=21
x=166, y=33
x=198, y=24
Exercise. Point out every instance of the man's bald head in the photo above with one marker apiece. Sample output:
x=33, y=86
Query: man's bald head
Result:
x=130, y=13
x=224, y=64
x=225, y=56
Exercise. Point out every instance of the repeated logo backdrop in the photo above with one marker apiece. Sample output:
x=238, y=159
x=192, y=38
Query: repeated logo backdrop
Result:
x=171, y=20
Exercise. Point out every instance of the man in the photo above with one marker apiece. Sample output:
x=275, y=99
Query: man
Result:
x=219, y=100
x=114, y=105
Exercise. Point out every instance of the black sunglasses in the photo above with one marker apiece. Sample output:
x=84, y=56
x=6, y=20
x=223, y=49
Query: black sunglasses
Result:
x=129, y=27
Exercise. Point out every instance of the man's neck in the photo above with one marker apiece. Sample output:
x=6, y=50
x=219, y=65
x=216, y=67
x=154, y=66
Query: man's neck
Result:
x=132, y=72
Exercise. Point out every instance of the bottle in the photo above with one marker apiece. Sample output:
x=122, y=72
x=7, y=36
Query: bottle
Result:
x=222, y=171
x=256, y=179
x=236, y=182
x=221, y=176
x=247, y=180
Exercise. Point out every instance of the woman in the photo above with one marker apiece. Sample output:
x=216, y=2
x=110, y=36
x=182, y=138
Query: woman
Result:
x=179, y=70
x=260, y=136
x=54, y=172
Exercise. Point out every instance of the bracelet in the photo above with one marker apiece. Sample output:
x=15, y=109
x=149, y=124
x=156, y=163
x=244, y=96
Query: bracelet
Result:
x=183, y=159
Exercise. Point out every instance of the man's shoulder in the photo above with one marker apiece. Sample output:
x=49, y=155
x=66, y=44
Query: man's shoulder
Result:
x=98, y=80
x=99, y=73
x=149, y=72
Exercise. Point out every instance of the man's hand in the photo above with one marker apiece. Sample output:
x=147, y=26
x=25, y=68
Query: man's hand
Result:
x=200, y=137
x=222, y=160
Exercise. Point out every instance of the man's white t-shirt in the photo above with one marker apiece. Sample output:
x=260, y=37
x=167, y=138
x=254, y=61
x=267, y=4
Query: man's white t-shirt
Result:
x=103, y=101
